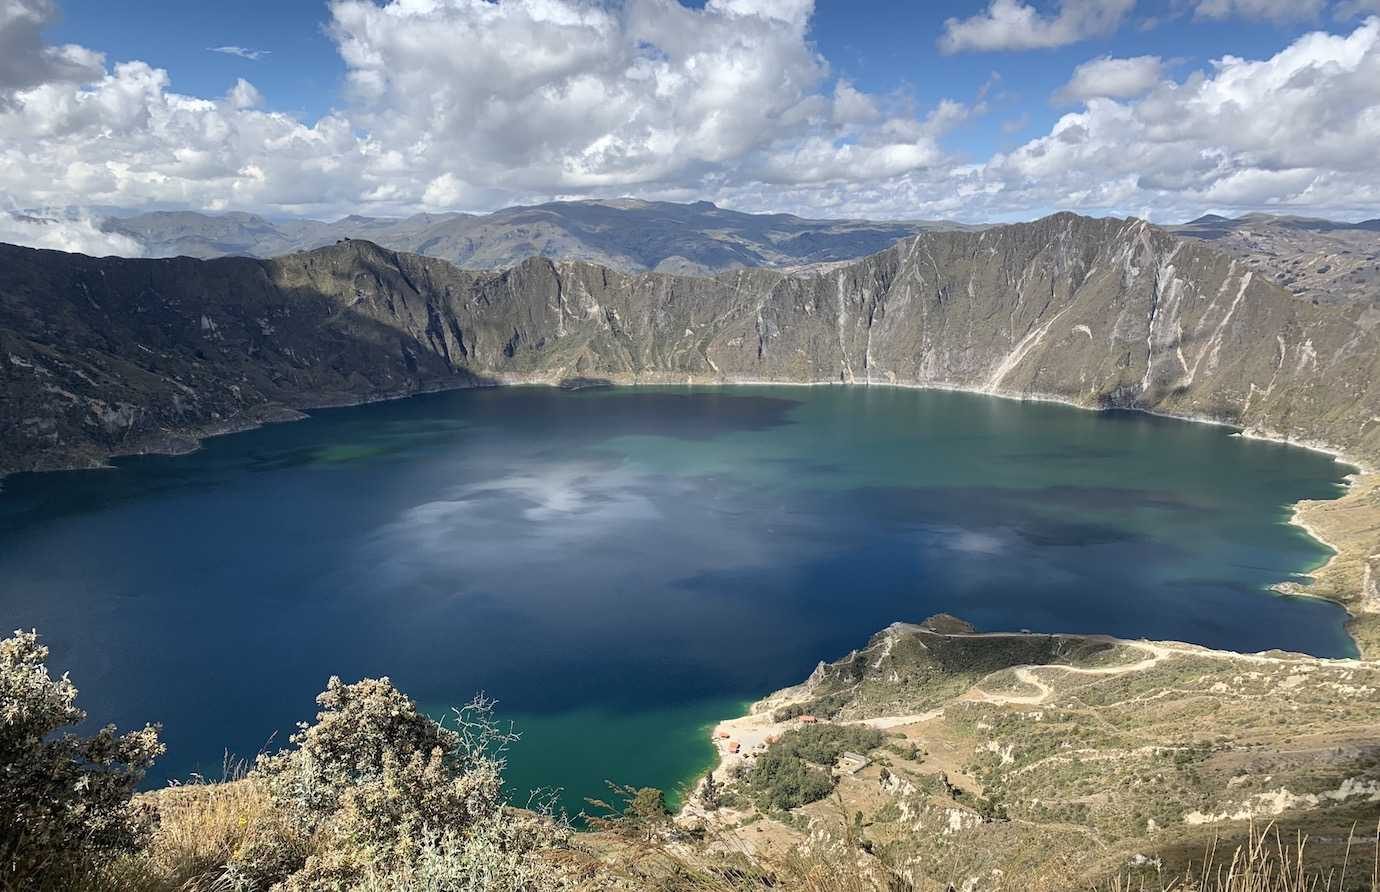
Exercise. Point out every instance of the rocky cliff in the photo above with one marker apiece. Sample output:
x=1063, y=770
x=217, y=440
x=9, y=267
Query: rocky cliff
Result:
x=101, y=356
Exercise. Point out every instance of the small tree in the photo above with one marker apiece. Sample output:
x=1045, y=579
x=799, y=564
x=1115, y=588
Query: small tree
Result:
x=709, y=793
x=991, y=809
x=642, y=814
x=65, y=799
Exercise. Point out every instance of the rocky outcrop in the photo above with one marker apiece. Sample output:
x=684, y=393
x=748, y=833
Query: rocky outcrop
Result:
x=99, y=356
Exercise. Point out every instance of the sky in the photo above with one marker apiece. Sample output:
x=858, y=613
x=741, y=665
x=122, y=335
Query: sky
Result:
x=971, y=110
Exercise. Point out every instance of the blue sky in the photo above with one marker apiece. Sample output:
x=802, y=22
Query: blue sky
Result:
x=966, y=109
x=887, y=45
x=301, y=74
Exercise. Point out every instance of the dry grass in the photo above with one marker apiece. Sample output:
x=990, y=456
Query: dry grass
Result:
x=672, y=859
x=671, y=868
x=1265, y=862
x=203, y=827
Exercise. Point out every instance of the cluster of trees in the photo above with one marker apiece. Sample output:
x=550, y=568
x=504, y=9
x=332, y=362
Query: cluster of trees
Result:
x=794, y=771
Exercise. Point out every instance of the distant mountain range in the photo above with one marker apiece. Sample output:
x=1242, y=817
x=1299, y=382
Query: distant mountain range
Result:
x=1215, y=225
x=1319, y=260
x=1323, y=261
x=625, y=234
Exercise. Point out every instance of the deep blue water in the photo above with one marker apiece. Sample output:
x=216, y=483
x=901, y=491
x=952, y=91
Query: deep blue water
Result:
x=621, y=567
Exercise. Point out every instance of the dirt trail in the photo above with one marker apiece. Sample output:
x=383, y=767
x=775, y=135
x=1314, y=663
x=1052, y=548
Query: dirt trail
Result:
x=753, y=732
x=1158, y=653
x=1026, y=675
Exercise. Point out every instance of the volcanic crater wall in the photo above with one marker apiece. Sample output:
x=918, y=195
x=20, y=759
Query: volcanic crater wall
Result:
x=105, y=356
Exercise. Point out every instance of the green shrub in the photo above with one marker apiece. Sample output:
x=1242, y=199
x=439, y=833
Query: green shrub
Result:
x=823, y=744
x=636, y=811
x=825, y=707
x=782, y=781
x=65, y=799
x=794, y=770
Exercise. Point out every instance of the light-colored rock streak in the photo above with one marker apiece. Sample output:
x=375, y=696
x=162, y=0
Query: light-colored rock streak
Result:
x=1213, y=347
x=1021, y=350
x=846, y=363
x=1163, y=318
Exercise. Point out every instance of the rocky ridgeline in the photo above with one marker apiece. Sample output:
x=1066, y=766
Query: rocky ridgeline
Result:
x=102, y=356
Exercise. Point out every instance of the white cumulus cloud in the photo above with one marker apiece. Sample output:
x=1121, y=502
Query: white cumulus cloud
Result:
x=472, y=105
x=1296, y=132
x=1015, y=25
x=1300, y=129
x=1113, y=78
x=26, y=60
x=126, y=139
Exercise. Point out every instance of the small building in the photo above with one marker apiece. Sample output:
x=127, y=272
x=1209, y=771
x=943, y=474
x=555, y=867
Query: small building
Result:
x=722, y=735
x=852, y=763
x=808, y=720
x=734, y=746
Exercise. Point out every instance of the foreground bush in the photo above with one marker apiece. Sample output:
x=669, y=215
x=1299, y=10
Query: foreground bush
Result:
x=65, y=799
x=639, y=812
x=374, y=796
x=382, y=797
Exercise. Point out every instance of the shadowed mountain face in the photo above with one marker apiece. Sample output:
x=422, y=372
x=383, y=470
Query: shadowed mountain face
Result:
x=102, y=356
x=626, y=234
x=1322, y=261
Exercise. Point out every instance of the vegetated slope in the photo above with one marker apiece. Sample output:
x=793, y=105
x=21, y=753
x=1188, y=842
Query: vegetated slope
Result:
x=1323, y=261
x=1050, y=762
x=625, y=234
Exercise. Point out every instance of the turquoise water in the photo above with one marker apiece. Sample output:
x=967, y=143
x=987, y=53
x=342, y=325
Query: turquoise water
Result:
x=620, y=568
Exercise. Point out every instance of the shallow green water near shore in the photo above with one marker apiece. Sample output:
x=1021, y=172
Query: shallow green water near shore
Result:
x=620, y=568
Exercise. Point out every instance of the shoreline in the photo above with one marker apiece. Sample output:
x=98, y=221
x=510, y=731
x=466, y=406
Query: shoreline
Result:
x=190, y=442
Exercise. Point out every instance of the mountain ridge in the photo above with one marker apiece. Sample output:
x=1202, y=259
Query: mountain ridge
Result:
x=630, y=234
x=861, y=346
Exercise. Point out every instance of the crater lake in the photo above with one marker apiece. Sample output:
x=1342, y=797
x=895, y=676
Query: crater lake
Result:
x=620, y=568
